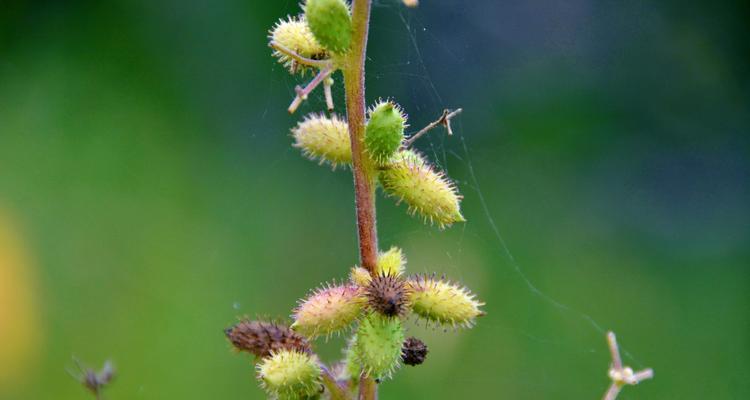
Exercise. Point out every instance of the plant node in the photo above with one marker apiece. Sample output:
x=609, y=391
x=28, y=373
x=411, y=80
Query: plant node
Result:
x=388, y=295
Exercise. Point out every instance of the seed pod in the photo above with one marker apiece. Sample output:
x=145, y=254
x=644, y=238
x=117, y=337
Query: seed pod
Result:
x=331, y=23
x=328, y=310
x=411, y=179
x=377, y=347
x=443, y=302
x=289, y=374
x=360, y=276
x=325, y=139
x=414, y=351
x=263, y=338
x=384, y=132
x=294, y=34
x=387, y=295
x=392, y=262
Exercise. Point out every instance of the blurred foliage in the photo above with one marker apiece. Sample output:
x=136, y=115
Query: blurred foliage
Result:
x=19, y=314
x=145, y=164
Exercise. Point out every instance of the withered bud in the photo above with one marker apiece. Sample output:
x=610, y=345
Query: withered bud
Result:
x=92, y=380
x=387, y=294
x=264, y=338
x=414, y=351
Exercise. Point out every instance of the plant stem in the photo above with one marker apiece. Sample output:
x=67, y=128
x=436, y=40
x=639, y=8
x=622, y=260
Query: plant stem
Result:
x=337, y=392
x=368, y=389
x=614, y=351
x=364, y=176
x=612, y=392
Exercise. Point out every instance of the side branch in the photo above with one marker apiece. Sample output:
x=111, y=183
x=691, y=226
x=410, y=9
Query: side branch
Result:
x=614, y=351
x=303, y=92
x=296, y=57
x=444, y=120
x=368, y=389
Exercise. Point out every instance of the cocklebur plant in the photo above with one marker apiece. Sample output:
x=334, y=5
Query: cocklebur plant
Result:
x=373, y=304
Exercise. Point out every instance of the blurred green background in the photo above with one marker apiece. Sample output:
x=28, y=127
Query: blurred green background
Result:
x=149, y=194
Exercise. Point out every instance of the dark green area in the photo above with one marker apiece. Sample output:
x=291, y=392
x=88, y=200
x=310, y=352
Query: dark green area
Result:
x=145, y=147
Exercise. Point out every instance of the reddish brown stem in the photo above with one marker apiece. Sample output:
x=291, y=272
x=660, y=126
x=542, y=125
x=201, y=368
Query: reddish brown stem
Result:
x=364, y=182
x=303, y=92
x=364, y=173
x=368, y=388
x=335, y=389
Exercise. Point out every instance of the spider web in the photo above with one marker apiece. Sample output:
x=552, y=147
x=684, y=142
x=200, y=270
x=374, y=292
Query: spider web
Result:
x=416, y=31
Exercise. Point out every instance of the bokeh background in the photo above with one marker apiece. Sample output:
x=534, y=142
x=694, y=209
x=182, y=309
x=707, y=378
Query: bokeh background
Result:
x=149, y=194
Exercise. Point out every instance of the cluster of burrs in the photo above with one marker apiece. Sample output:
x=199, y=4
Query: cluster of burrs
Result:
x=318, y=40
x=373, y=307
x=402, y=172
x=373, y=303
